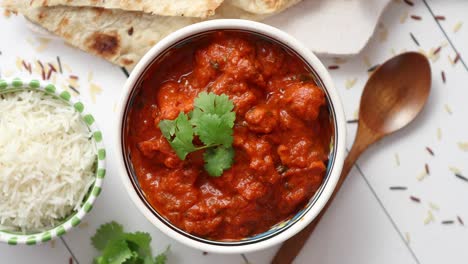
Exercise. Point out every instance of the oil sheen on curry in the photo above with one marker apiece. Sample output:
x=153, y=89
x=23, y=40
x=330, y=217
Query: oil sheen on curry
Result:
x=281, y=136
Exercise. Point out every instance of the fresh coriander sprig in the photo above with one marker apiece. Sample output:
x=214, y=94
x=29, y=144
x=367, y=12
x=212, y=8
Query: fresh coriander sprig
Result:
x=212, y=120
x=118, y=247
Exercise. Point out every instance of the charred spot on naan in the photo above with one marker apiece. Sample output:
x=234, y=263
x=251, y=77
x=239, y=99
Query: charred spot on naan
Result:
x=42, y=15
x=106, y=45
x=126, y=62
x=63, y=23
x=264, y=6
x=98, y=11
x=130, y=31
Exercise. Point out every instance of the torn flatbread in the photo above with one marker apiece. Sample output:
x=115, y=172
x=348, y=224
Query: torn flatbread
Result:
x=263, y=6
x=121, y=37
x=189, y=8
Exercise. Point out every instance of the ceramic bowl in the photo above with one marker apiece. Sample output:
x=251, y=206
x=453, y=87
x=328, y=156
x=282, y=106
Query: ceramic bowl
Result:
x=281, y=231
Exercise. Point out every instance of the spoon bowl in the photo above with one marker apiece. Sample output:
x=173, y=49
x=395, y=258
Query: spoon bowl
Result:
x=395, y=93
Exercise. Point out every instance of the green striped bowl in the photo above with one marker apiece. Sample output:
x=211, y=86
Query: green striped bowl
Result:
x=14, y=238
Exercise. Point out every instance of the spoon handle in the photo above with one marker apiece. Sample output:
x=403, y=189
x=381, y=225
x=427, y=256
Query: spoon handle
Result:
x=291, y=248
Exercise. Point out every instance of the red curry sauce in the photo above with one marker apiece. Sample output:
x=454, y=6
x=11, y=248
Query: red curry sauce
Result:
x=281, y=136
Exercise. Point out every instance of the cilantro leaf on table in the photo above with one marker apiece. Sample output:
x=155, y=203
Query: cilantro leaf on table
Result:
x=139, y=242
x=218, y=159
x=105, y=233
x=115, y=252
x=118, y=247
x=162, y=257
x=212, y=120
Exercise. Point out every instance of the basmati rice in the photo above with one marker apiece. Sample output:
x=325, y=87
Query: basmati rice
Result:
x=47, y=161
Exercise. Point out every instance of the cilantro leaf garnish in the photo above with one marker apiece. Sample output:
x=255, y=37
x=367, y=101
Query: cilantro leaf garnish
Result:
x=179, y=133
x=218, y=159
x=118, y=247
x=213, y=130
x=212, y=120
x=211, y=103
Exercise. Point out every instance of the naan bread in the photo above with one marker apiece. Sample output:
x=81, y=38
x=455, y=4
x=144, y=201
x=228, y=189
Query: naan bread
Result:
x=121, y=37
x=263, y=6
x=190, y=8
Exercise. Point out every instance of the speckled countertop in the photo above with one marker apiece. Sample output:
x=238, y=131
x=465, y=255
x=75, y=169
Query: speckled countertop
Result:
x=369, y=222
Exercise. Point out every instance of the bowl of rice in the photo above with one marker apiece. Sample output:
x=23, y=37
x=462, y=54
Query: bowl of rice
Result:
x=52, y=161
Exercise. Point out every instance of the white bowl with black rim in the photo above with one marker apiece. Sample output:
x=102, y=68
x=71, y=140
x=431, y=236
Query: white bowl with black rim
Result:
x=281, y=231
x=14, y=237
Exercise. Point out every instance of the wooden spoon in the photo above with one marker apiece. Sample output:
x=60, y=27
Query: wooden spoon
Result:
x=393, y=96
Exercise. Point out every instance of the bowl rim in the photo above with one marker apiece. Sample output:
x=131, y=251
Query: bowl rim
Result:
x=74, y=219
x=328, y=86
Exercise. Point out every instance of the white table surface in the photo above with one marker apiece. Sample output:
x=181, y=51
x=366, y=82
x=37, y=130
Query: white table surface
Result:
x=368, y=222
